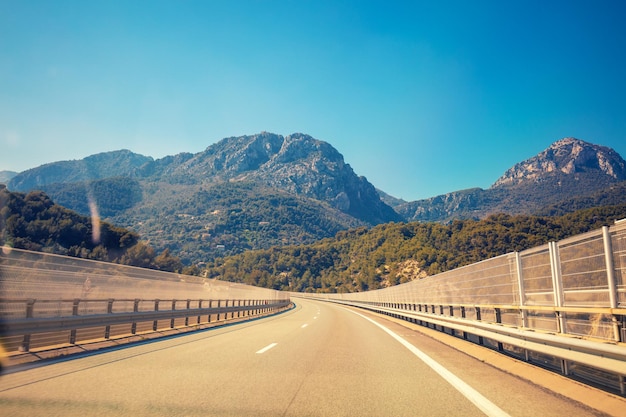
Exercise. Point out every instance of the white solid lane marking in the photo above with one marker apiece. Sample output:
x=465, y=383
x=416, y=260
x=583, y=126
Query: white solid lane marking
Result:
x=266, y=348
x=480, y=401
x=304, y=325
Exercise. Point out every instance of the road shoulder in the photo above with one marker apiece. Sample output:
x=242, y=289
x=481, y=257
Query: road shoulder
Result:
x=591, y=397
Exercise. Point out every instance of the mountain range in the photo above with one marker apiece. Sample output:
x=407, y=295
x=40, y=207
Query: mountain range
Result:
x=265, y=190
x=568, y=172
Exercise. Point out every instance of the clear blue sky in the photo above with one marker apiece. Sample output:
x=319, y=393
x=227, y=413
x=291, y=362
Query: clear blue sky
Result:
x=420, y=97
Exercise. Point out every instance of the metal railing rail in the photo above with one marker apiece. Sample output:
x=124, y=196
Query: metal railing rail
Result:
x=58, y=327
x=52, y=300
x=32, y=325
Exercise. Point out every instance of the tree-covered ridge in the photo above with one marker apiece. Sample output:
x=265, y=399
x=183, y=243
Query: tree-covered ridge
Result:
x=611, y=196
x=110, y=195
x=393, y=253
x=357, y=259
x=556, y=194
x=200, y=223
x=34, y=222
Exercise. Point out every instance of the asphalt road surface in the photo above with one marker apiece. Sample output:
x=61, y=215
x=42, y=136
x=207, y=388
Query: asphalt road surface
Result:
x=318, y=359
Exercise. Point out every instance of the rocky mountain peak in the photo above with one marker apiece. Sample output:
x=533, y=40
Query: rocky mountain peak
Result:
x=566, y=158
x=314, y=168
x=297, y=163
x=235, y=155
x=299, y=146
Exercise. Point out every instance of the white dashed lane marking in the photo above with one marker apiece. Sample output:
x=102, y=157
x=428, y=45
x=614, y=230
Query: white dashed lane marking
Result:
x=266, y=348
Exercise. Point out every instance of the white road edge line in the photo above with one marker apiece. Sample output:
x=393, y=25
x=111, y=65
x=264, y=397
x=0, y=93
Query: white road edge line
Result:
x=266, y=348
x=480, y=401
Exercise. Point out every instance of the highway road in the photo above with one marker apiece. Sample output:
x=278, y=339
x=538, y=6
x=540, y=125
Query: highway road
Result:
x=318, y=359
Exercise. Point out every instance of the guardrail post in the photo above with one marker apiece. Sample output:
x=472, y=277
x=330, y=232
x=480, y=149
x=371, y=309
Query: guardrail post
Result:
x=239, y=309
x=443, y=328
x=451, y=313
x=219, y=303
x=30, y=306
x=210, y=307
x=107, y=329
x=463, y=316
x=432, y=311
x=133, y=326
x=418, y=307
x=521, y=289
x=172, y=319
x=610, y=276
x=155, y=323
x=75, y=304
x=557, y=280
x=478, y=318
x=498, y=312
x=522, y=297
x=199, y=308
x=187, y=316
x=421, y=309
x=557, y=284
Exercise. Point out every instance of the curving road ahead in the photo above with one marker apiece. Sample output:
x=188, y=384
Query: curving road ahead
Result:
x=318, y=359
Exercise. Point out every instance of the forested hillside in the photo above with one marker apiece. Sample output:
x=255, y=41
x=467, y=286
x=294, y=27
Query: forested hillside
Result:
x=112, y=195
x=358, y=259
x=34, y=222
x=611, y=196
x=393, y=253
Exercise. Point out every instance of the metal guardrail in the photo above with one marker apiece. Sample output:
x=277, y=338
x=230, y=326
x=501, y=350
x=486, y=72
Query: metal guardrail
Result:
x=51, y=300
x=65, y=329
